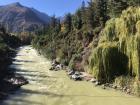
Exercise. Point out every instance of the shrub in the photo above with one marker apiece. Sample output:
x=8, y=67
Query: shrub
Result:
x=75, y=58
x=118, y=50
x=106, y=62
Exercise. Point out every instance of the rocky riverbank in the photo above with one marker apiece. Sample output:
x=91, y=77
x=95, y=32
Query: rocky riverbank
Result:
x=9, y=80
x=11, y=83
x=83, y=76
x=55, y=87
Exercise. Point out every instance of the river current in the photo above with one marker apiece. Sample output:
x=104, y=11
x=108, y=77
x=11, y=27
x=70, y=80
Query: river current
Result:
x=55, y=88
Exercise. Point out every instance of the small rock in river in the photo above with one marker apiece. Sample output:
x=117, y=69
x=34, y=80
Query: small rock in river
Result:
x=93, y=80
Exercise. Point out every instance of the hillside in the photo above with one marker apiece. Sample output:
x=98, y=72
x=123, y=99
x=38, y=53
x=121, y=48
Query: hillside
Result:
x=105, y=45
x=16, y=18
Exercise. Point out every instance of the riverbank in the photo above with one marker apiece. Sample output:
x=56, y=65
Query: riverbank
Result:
x=55, y=88
x=10, y=81
x=84, y=76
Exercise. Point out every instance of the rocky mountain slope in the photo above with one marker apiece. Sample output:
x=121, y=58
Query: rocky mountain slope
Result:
x=16, y=18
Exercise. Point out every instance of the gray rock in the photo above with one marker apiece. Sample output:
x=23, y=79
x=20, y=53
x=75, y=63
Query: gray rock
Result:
x=93, y=80
x=114, y=86
x=97, y=83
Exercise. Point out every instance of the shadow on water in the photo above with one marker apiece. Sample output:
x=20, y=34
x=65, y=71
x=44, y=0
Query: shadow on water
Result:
x=32, y=75
x=26, y=61
x=20, y=55
x=18, y=70
x=14, y=65
x=28, y=92
x=23, y=102
x=38, y=75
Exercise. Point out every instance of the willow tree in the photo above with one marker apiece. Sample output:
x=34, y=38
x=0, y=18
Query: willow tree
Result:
x=118, y=50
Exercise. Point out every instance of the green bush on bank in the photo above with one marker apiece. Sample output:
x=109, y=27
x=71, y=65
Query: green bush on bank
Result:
x=106, y=62
x=119, y=47
x=7, y=44
x=75, y=59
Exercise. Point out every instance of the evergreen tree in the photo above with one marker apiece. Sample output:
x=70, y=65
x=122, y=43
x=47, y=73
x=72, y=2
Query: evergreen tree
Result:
x=117, y=6
x=101, y=11
x=53, y=22
x=91, y=15
x=58, y=25
x=77, y=20
x=68, y=22
x=83, y=13
x=133, y=2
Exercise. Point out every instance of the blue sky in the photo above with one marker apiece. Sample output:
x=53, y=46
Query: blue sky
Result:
x=57, y=7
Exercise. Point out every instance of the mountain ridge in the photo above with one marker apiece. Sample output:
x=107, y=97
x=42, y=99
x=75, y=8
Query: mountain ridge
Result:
x=16, y=18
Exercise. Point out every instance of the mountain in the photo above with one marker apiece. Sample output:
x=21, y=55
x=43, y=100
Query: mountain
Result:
x=16, y=18
x=42, y=16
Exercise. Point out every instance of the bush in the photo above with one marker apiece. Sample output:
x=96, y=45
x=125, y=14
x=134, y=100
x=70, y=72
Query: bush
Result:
x=107, y=61
x=75, y=58
x=118, y=50
x=124, y=81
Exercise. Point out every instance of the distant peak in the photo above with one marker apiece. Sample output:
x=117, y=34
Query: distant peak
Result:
x=16, y=4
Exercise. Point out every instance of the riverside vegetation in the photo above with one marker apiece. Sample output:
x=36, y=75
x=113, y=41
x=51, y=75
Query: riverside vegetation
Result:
x=8, y=79
x=7, y=45
x=102, y=39
x=118, y=51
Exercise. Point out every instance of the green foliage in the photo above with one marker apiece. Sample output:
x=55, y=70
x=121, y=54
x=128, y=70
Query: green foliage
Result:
x=75, y=58
x=115, y=48
x=77, y=20
x=7, y=43
x=134, y=2
x=68, y=22
x=117, y=6
x=101, y=11
x=124, y=81
x=106, y=62
x=124, y=33
x=132, y=84
x=3, y=49
x=136, y=88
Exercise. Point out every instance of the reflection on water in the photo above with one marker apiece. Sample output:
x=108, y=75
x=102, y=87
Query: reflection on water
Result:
x=55, y=88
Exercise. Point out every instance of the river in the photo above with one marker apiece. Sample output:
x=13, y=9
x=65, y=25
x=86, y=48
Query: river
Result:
x=55, y=88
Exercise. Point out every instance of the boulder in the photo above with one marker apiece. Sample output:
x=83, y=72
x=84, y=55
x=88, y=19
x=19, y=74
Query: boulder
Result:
x=128, y=91
x=97, y=83
x=93, y=80
x=103, y=86
x=114, y=86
